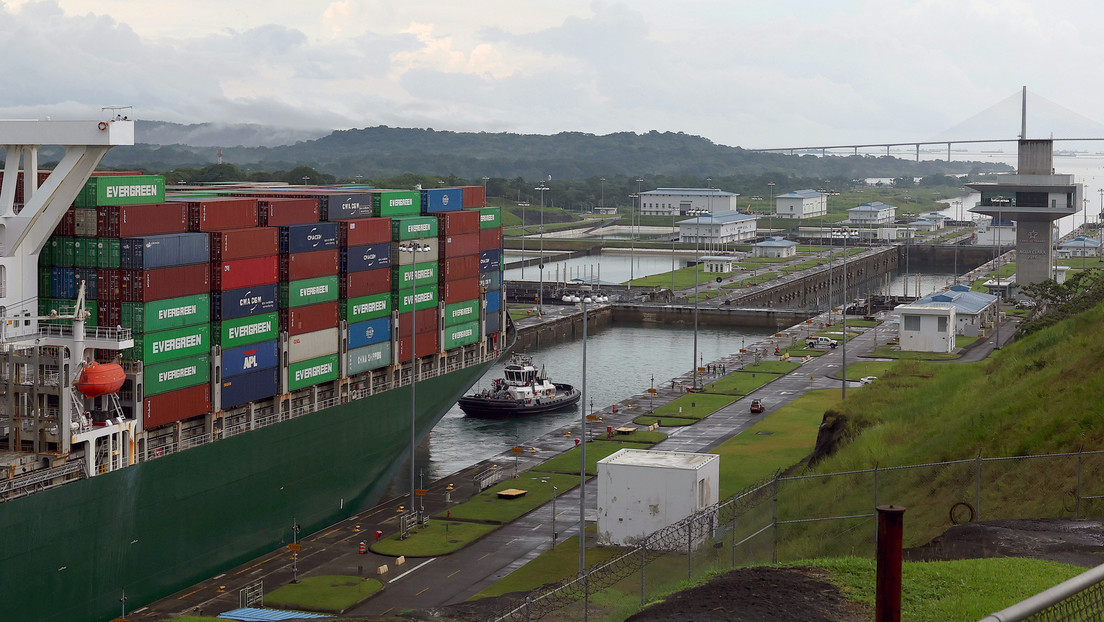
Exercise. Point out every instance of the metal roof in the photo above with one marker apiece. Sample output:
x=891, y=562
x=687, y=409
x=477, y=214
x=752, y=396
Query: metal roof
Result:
x=964, y=300
x=808, y=193
x=1080, y=242
x=873, y=206
x=777, y=242
x=658, y=458
x=705, y=192
x=719, y=218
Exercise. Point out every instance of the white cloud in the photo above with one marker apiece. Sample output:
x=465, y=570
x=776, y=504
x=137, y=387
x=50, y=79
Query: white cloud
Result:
x=739, y=73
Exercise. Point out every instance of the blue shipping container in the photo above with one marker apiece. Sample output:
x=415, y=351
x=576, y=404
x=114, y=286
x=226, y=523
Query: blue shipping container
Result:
x=309, y=237
x=494, y=301
x=345, y=206
x=250, y=387
x=63, y=283
x=372, y=331
x=490, y=260
x=164, y=251
x=236, y=303
x=88, y=275
x=367, y=257
x=491, y=324
x=437, y=200
x=490, y=281
x=250, y=358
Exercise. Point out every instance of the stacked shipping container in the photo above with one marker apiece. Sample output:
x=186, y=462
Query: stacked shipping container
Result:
x=214, y=286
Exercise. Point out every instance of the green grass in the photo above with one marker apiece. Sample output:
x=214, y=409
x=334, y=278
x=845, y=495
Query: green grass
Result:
x=952, y=591
x=329, y=593
x=739, y=383
x=441, y=537
x=551, y=566
x=488, y=507
x=665, y=421
x=772, y=367
x=639, y=436
x=568, y=462
x=891, y=352
x=869, y=368
x=782, y=439
x=694, y=405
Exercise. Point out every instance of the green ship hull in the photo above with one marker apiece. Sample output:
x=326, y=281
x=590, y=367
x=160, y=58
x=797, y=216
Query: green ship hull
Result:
x=159, y=526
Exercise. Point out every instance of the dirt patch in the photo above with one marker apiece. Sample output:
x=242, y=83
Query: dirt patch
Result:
x=1080, y=543
x=746, y=594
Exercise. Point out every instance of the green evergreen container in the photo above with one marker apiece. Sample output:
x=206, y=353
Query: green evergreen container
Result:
x=396, y=203
x=176, y=374
x=308, y=292
x=403, y=301
x=313, y=371
x=170, y=344
x=413, y=227
x=462, y=312
x=461, y=335
x=366, y=308
x=245, y=330
x=403, y=277
x=121, y=190
x=159, y=315
x=490, y=218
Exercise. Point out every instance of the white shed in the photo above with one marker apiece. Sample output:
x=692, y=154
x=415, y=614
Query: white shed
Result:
x=927, y=328
x=641, y=491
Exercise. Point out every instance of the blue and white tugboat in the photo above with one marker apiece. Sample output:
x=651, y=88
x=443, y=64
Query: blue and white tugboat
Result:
x=524, y=391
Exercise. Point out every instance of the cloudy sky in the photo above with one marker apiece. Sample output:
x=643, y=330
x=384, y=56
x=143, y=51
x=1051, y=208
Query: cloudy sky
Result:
x=751, y=74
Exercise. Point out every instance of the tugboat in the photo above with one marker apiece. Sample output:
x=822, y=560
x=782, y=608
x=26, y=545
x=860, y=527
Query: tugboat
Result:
x=523, y=391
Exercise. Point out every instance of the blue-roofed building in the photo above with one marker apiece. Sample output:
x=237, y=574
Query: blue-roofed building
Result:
x=686, y=201
x=974, y=311
x=775, y=248
x=806, y=203
x=873, y=213
x=1080, y=246
x=718, y=228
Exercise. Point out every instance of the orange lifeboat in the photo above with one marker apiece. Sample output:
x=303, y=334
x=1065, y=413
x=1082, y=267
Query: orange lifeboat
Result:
x=100, y=379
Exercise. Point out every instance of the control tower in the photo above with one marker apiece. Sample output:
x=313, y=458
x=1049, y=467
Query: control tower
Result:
x=1034, y=196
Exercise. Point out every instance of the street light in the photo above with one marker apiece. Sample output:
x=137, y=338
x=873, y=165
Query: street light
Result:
x=697, y=269
x=602, y=201
x=413, y=248
x=1000, y=201
x=843, y=312
x=540, y=266
x=770, y=210
x=709, y=205
x=632, y=231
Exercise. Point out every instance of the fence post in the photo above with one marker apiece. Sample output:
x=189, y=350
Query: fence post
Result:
x=527, y=612
x=586, y=597
x=733, y=531
x=887, y=605
x=643, y=565
x=690, y=549
x=1079, y=450
x=774, y=520
x=977, y=493
x=875, y=484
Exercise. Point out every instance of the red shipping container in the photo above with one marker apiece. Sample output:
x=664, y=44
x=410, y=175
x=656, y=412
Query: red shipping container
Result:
x=454, y=268
x=425, y=322
x=460, y=245
x=165, y=283
x=244, y=243
x=68, y=223
x=176, y=405
x=222, y=213
x=130, y=221
x=427, y=343
x=459, y=291
x=490, y=239
x=309, y=265
x=277, y=212
x=109, y=286
x=310, y=318
x=111, y=312
x=227, y=275
x=456, y=223
x=364, y=231
x=474, y=196
x=357, y=284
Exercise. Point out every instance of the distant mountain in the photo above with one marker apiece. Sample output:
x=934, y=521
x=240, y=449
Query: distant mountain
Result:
x=220, y=134
x=385, y=151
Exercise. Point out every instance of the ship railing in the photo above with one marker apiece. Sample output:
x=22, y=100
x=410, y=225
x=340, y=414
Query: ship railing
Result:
x=36, y=481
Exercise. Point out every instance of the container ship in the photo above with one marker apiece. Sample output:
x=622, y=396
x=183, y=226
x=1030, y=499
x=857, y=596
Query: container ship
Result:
x=264, y=341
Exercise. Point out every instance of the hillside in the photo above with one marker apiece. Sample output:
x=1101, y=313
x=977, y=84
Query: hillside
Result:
x=386, y=151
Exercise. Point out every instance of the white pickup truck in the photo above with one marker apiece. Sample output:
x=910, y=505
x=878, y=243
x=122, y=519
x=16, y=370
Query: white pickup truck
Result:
x=820, y=342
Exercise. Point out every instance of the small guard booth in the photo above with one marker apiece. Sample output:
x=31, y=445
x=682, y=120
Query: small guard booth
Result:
x=642, y=491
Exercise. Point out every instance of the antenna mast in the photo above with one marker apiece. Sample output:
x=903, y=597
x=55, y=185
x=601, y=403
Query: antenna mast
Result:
x=1023, y=116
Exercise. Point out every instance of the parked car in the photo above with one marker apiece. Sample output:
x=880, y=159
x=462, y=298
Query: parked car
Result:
x=821, y=342
x=757, y=406
x=867, y=379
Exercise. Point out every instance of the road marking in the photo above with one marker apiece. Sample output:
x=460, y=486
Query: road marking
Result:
x=456, y=572
x=412, y=569
x=485, y=555
x=219, y=576
x=260, y=563
x=537, y=527
x=385, y=612
x=424, y=590
x=188, y=594
x=316, y=538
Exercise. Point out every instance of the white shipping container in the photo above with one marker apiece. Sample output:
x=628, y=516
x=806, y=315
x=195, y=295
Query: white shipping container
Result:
x=312, y=345
x=85, y=222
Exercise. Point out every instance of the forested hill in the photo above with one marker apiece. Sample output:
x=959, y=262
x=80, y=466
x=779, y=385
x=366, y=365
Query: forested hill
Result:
x=387, y=151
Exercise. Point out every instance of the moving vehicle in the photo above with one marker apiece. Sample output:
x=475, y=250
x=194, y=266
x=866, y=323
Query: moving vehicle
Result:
x=821, y=342
x=523, y=391
x=757, y=406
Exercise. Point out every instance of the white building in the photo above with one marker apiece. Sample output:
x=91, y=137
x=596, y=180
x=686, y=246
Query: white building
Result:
x=994, y=232
x=974, y=311
x=927, y=328
x=801, y=204
x=926, y=224
x=1080, y=246
x=686, y=201
x=872, y=214
x=718, y=228
x=775, y=248
x=642, y=491
x=719, y=264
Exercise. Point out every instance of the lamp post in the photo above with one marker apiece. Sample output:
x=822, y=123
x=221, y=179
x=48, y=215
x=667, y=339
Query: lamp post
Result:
x=697, y=269
x=554, y=491
x=602, y=200
x=632, y=200
x=1000, y=201
x=540, y=266
x=709, y=206
x=770, y=209
x=674, y=236
x=485, y=180
x=843, y=313
x=413, y=248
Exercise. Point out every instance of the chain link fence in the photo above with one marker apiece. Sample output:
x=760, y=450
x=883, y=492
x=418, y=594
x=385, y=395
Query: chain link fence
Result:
x=790, y=518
